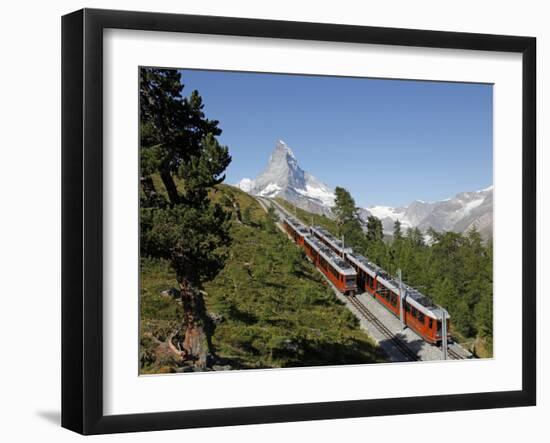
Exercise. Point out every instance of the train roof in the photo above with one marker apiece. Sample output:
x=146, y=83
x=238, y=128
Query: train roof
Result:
x=389, y=281
x=328, y=237
x=434, y=312
x=301, y=228
x=364, y=263
x=423, y=303
x=340, y=264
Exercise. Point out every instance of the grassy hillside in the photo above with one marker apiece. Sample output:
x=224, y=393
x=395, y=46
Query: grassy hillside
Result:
x=309, y=217
x=271, y=308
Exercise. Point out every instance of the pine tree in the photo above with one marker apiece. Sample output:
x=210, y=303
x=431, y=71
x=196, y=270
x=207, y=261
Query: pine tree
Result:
x=344, y=206
x=179, y=223
x=347, y=219
x=484, y=309
x=377, y=250
x=397, y=234
x=374, y=228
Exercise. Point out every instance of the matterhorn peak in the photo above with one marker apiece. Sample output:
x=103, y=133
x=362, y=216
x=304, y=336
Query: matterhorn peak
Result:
x=282, y=148
x=283, y=177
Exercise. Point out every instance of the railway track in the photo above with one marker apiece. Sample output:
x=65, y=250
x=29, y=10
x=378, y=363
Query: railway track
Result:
x=455, y=355
x=402, y=347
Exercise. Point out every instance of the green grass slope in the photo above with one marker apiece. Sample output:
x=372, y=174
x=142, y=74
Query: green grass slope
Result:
x=270, y=306
x=309, y=217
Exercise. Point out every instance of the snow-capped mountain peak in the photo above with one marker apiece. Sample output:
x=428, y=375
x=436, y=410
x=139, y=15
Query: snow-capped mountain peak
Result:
x=283, y=147
x=283, y=177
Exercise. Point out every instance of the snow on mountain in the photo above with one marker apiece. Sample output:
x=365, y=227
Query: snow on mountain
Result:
x=284, y=178
x=271, y=190
x=458, y=213
x=245, y=184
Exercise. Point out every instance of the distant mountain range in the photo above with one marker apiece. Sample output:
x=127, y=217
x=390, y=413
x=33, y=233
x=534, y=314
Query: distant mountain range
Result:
x=284, y=178
x=457, y=214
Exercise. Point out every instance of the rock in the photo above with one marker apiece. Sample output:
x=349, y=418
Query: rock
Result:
x=216, y=318
x=172, y=292
x=222, y=368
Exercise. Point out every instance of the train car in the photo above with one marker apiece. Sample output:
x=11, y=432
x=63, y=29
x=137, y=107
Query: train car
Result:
x=387, y=292
x=337, y=270
x=366, y=271
x=424, y=316
x=328, y=239
x=296, y=230
x=420, y=313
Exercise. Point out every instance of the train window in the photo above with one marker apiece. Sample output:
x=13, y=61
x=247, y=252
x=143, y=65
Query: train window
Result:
x=414, y=312
x=407, y=308
x=430, y=324
x=421, y=317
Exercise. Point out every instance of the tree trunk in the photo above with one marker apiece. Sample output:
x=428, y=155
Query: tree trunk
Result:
x=238, y=215
x=170, y=186
x=196, y=341
x=148, y=187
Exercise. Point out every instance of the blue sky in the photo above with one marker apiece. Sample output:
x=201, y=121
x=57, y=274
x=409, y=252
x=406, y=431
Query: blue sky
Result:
x=387, y=141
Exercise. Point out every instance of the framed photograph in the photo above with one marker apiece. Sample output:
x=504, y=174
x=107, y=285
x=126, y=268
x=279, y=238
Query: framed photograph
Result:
x=269, y=221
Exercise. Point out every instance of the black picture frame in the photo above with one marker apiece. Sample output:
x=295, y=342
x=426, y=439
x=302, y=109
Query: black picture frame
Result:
x=82, y=219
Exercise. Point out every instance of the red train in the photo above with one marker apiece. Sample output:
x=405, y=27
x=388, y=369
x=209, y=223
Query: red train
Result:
x=351, y=273
x=337, y=270
x=420, y=313
x=296, y=230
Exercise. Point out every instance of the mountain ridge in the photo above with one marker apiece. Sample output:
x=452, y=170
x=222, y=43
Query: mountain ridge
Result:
x=458, y=213
x=283, y=177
